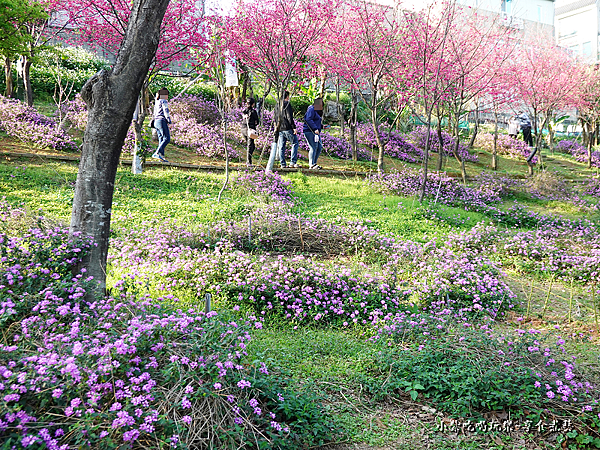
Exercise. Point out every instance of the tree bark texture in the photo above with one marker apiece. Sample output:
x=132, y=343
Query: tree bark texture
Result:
x=111, y=97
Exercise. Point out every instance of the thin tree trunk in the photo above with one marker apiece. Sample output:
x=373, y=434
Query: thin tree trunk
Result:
x=426, y=159
x=375, y=124
x=322, y=81
x=495, y=151
x=111, y=96
x=476, y=129
x=353, y=124
x=8, y=92
x=339, y=108
x=440, y=162
x=26, y=69
x=589, y=147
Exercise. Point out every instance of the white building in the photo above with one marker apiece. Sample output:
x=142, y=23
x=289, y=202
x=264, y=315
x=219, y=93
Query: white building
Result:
x=578, y=28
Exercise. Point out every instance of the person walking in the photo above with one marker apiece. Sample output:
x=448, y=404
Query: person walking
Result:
x=313, y=124
x=287, y=132
x=249, y=123
x=525, y=125
x=513, y=127
x=162, y=120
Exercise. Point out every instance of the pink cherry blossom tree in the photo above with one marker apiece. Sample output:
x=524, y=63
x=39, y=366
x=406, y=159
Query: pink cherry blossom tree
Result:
x=366, y=50
x=276, y=38
x=589, y=105
x=546, y=79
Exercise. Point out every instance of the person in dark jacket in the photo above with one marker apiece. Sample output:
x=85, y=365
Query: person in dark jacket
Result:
x=313, y=125
x=525, y=124
x=287, y=132
x=249, y=122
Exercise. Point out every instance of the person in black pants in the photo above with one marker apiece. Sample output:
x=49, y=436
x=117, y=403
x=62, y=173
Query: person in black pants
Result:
x=525, y=124
x=249, y=123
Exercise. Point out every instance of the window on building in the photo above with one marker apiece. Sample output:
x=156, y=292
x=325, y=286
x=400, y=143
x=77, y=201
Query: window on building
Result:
x=574, y=49
x=586, y=49
x=539, y=13
x=568, y=26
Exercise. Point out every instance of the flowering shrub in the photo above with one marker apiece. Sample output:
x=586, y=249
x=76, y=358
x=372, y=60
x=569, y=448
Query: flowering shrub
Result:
x=419, y=137
x=494, y=184
x=506, y=145
x=128, y=371
x=26, y=124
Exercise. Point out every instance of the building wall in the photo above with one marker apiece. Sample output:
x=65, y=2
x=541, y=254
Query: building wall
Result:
x=579, y=31
x=534, y=10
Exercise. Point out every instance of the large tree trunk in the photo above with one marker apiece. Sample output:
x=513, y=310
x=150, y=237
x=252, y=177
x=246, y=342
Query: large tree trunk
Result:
x=111, y=97
x=8, y=92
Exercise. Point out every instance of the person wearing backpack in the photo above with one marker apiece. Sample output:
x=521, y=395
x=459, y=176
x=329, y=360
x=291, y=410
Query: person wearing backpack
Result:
x=249, y=123
x=313, y=125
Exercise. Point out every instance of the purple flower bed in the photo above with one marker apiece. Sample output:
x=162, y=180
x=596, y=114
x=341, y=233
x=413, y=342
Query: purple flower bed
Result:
x=506, y=145
x=29, y=126
x=126, y=371
x=419, y=137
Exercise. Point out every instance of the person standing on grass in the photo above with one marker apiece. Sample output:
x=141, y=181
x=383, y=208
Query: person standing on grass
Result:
x=162, y=120
x=525, y=124
x=287, y=132
x=313, y=124
x=249, y=123
x=513, y=127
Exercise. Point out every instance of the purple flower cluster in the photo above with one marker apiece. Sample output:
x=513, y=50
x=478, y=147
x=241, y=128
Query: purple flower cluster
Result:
x=197, y=125
x=300, y=289
x=441, y=188
x=578, y=151
x=29, y=126
x=395, y=144
x=266, y=185
x=419, y=137
x=506, y=145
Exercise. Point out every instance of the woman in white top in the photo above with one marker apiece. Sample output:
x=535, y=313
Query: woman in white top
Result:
x=513, y=127
x=162, y=119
